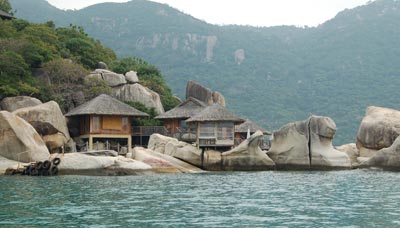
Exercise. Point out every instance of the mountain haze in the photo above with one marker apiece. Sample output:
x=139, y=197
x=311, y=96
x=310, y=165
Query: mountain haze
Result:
x=273, y=75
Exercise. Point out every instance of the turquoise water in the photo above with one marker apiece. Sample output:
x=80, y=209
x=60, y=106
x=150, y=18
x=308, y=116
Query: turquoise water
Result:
x=358, y=198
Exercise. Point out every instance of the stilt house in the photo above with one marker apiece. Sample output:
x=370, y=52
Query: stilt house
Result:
x=175, y=119
x=105, y=118
x=215, y=126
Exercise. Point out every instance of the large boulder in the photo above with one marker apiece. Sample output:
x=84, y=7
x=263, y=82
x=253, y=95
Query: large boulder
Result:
x=7, y=163
x=289, y=146
x=218, y=98
x=46, y=118
x=102, y=65
x=158, y=142
x=19, y=141
x=184, y=151
x=112, y=79
x=351, y=150
x=307, y=144
x=49, y=122
x=162, y=163
x=204, y=94
x=248, y=155
x=378, y=129
x=131, y=77
x=323, y=154
x=388, y=158
x=140, y=94
x=81, y=164
x=209, y=159
x=13, y=103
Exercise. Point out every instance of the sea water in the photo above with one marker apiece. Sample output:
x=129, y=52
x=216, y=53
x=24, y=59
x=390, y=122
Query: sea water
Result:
x=357, y=198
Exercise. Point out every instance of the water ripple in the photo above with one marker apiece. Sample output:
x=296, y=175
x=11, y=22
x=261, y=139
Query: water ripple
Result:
x=358, y=198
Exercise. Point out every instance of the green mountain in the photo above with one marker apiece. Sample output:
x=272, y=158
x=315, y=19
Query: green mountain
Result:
x=273, y=75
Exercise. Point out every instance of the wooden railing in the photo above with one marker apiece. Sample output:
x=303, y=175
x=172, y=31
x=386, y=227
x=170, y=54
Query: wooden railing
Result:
x=149, y=130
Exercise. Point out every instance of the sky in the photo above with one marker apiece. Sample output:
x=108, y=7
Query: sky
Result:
x=246, y=12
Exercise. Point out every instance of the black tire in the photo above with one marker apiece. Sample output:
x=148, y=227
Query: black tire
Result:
x=45, y=172
x=28, y=170
x=54, y=170
x=39, y=165
x=33, y=171
x=23, y=172
x=46, y=165
x=56, y=161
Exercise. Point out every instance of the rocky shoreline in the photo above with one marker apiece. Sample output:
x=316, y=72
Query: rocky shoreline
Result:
x=31, y=134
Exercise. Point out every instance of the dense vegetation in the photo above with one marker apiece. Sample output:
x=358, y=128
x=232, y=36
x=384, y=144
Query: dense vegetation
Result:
x=284, y=74
x=51, y=63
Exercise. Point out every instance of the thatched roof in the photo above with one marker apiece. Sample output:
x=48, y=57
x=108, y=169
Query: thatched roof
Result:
x=215, y=112
x=105, y=105
x=5, y=15
x=185, y=110
x=248, y=124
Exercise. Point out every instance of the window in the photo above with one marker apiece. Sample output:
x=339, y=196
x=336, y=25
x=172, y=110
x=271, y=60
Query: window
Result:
x=125, y=123
x=207, y=130
x=96, y=123
x=225, y=131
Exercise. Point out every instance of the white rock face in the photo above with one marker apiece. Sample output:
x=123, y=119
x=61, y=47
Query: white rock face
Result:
x=322, y=131
x=162, y=163
x=81, y=164
x=13, y=103
x=289, y=147
x=158, y=142
x=19, y=141
x=46, y=118
x=7, y=163
x=141, y=94
x=352, y=151
x=185, y=152
x=49, y=122
x=248, y=155
x=307, y=144
x=239, y=56
x=378, y=129
x=386, y=158
x=112, y=79
x=131, y=77
x=202, y=93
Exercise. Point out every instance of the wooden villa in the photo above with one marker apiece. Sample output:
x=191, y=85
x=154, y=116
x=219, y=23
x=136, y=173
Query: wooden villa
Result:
x=215, y=126
x=105, y=118
x=174, y=120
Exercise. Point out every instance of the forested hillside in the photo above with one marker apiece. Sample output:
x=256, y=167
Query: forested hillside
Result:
x=272, y=75
x=50, y=63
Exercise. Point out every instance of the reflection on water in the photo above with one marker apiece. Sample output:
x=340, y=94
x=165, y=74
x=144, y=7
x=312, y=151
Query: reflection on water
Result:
x=358, y=198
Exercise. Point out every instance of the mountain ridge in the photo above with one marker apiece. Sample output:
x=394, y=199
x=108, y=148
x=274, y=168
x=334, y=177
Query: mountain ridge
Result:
x=273, y=75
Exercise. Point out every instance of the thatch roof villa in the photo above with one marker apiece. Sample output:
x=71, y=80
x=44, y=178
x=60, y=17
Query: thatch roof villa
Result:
x=174, y=119
x=215, y=126
x=105, y=117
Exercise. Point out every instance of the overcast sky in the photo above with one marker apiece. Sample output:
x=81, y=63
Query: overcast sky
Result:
x=246, y=12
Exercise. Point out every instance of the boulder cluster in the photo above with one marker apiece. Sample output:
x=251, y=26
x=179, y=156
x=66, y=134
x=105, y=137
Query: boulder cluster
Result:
x=128, y=88
x=32, y=132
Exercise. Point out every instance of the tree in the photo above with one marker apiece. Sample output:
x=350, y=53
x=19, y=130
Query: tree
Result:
x=5, y=6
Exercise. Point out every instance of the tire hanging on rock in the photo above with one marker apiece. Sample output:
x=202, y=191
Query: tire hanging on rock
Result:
x=56, y=161
x=46, y=165
x=54, y=170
